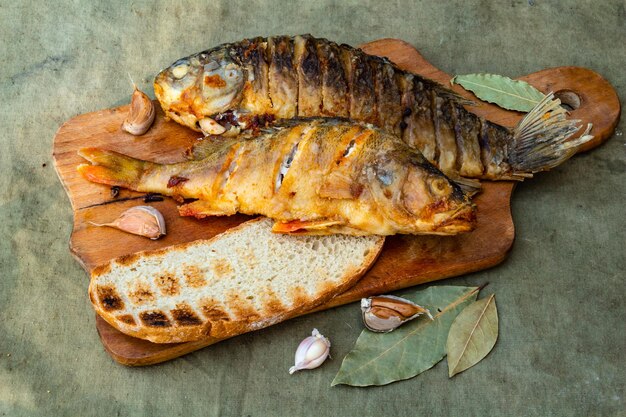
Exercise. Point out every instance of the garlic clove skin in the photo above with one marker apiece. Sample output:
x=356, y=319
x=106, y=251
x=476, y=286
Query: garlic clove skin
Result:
x=140, y=115
x=140, y=220
x=311, y=352
x=385, y=313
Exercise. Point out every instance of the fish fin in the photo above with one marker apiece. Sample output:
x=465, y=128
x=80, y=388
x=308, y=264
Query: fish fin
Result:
x=304, y=227
x=201, y=209
x=337, y=185
x=112, y=168
x=542, y=139
x=443, y=92
x=469, y=186
x=206, y=147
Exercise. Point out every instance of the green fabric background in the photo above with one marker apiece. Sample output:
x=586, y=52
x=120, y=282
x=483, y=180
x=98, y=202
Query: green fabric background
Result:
x=560, y=293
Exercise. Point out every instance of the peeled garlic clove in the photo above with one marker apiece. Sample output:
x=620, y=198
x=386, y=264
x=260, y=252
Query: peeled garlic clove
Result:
x=141, y=114
x=311, y=352
x=211, y=127
x=140, y=220
x=384, y=313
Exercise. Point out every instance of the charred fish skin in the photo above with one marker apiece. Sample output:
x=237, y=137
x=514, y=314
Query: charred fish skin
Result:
x=251, y=55
x=309, y=69
x=335, y=88
x=315, y=176
x=284, y=77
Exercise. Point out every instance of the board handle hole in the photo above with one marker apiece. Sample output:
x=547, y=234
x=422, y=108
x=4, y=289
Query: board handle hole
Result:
x=569, y=99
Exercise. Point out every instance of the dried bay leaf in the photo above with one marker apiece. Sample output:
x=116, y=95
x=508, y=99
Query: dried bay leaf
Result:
x=472, y=335
x=382, y=358
x=503, y=91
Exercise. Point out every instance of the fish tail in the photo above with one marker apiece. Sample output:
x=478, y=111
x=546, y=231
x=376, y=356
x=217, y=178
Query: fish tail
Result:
x=543, y=138
x=112, y=168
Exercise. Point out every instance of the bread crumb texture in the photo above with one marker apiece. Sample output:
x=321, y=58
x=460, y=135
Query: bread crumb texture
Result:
x=244, y=279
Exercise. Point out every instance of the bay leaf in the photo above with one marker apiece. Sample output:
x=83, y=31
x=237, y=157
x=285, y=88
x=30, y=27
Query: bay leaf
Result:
x=503, y=91
x=472, y=335
x=382, y=358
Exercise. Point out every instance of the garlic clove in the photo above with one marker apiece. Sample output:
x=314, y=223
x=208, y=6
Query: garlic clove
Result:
x=140, y=115
x=139, y=220
x=211, y=127
x=385, y=313
x=311, y=352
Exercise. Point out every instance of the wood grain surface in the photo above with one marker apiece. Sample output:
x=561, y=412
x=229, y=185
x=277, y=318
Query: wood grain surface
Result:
x=405, y=260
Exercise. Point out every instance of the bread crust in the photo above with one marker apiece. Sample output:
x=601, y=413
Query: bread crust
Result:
x=181, y=324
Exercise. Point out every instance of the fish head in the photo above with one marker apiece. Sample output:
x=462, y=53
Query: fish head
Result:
x=418, y=198
x=195, y=89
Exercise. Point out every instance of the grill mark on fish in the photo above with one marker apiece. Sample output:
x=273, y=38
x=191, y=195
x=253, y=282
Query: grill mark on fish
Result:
x=283, y=154
x=485, y=149
x=251, y=55
x=362, y=86
x=349, y=148
x=388, y=96
x=435, y=123
x=350, y=142
x=467, y=131
x=283, y=80
x=228, y=168
x=408, y=113
x=498, y=138
x=444, y=131
x=284, y=166
x=309, y=76
x=421, y=123
x=335, y=92
x=340, y=179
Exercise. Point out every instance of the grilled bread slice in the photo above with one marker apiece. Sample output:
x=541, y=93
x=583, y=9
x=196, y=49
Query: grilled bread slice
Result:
x=244, y=279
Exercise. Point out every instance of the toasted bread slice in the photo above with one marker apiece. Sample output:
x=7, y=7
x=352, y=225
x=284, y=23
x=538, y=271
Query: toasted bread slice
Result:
x=244, y=279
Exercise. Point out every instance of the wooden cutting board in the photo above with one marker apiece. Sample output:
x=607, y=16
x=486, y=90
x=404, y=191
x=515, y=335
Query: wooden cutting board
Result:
x=405, y=260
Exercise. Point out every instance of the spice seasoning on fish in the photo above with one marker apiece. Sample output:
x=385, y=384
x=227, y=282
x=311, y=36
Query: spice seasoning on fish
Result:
x=285, y=77
x=318, y=176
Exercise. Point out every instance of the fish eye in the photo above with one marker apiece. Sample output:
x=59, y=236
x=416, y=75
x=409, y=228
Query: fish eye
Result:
x=180, y=71
x=440, y=187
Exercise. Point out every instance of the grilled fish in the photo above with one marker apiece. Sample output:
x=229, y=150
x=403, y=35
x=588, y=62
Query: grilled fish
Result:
x=317, y=176
x=252, y=82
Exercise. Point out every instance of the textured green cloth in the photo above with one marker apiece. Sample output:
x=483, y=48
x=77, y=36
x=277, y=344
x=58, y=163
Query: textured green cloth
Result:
x=560, y=293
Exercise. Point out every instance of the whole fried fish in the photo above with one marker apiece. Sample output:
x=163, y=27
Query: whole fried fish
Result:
x=252, y=82
x=318, y=176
